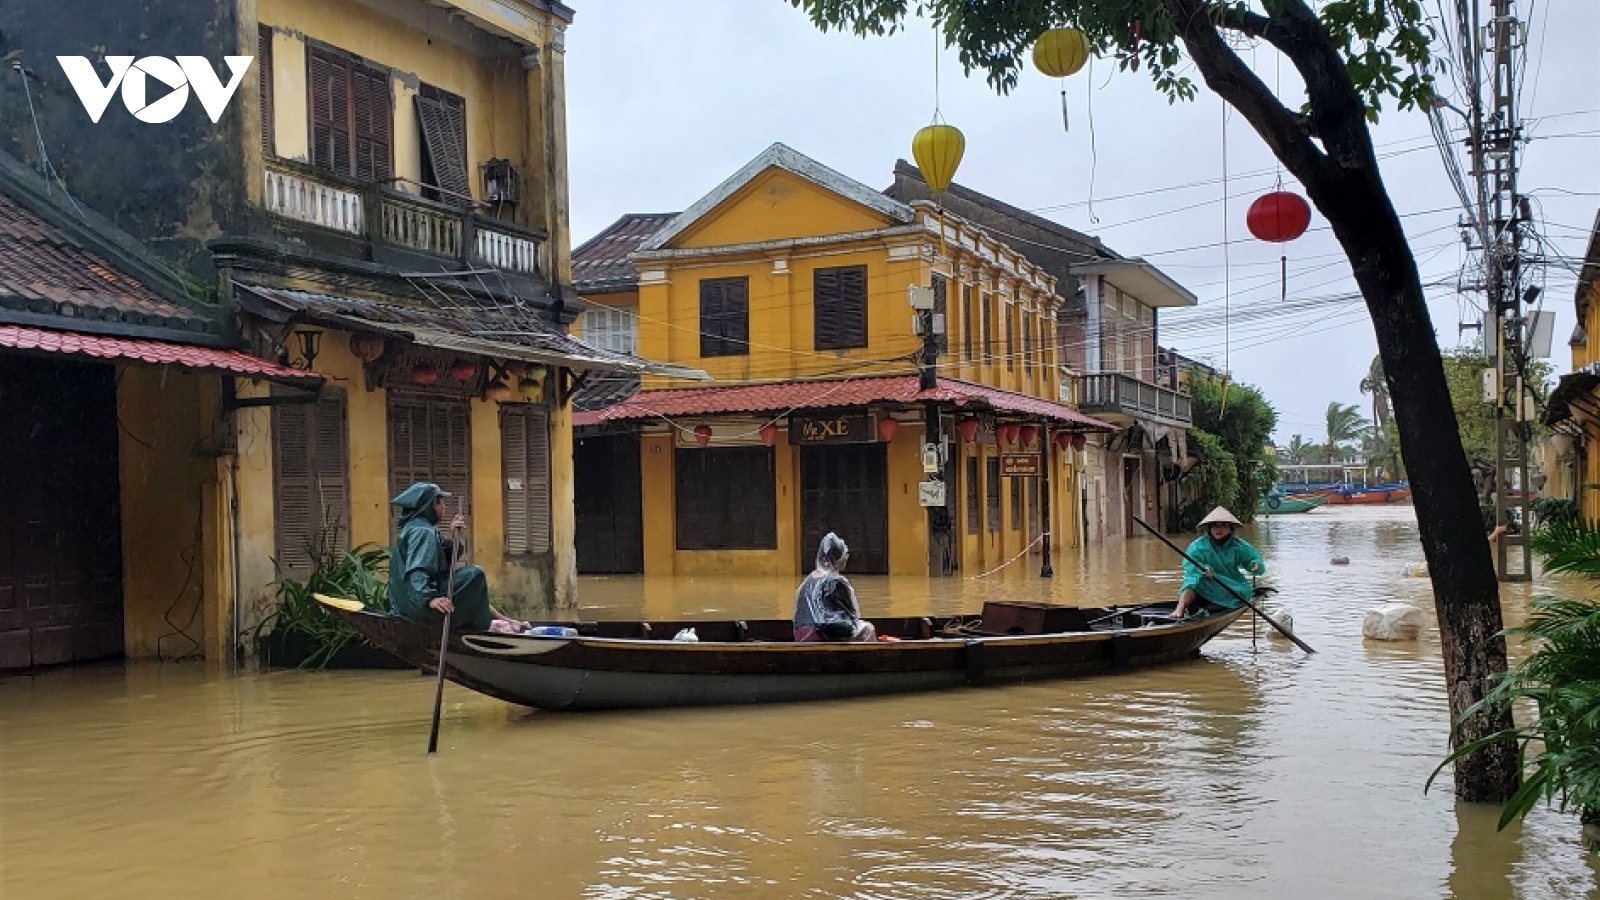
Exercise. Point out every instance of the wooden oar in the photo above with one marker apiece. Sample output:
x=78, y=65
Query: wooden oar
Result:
x=339, y=603
x=1270, y=621
x=444, y=636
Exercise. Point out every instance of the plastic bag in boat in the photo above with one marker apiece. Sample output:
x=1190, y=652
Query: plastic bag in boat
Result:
x=687, y=636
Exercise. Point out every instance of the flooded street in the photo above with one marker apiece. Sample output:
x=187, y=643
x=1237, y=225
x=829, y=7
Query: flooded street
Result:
x=1253, y=771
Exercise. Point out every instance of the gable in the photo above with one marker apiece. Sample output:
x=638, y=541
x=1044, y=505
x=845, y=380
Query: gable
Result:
x=778, y=205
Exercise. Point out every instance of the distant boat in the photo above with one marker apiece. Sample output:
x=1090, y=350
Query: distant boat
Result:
x=1378, y=493
x=1279, y=504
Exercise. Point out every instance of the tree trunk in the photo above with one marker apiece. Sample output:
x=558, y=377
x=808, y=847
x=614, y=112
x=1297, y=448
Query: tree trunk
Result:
x=1341, y=177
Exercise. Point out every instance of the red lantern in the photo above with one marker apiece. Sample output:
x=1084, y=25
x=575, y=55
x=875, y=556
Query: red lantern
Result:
x=702, y=434
x=1279, y=216
x=1078, y=440
x=769, y=433
x=1029, y=432
x=1008, y=432
x=887, y=426
x=968, y=429
x=1063, y=440
x=424, y=373
x=366, y=346
x=463, y=369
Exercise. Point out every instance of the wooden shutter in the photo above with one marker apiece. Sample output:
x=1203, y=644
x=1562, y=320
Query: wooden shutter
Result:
x=1027, y=341
x=1012, y=312
x=725, y=498
x=525, y=454
x=974, y=497
x=311, y=483
x=827, y=308
x=330, y=111
x=992, y=492
x=442, y=117
x=431, y=440
x=264, y=86
x=849, y=291
x=724, y=316
x=1016, y=504
x=988, y=325
x=371, y=123
x=966, y=322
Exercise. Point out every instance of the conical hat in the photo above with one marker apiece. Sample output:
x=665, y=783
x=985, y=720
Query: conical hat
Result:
x=1220, y=514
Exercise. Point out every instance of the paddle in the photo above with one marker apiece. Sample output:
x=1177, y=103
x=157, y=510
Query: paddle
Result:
x=1270, y=621
x=444, y=635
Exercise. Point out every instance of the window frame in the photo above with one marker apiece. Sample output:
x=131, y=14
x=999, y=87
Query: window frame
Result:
x=354, y=66
x=725, y=339
x=839, y=308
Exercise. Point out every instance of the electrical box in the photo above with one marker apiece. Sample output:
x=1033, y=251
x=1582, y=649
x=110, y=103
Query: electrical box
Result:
x=920, y=298
x=1541, y=333
x=931, y=493
x=938, y=323
x=1491, y=386
x=932, y=459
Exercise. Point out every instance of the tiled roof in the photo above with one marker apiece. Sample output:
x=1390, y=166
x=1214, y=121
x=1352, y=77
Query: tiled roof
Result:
x=604, y=389
x=783, y=396
x=463, y=322
x=601, y=264
x=45, y=269
x=157, y=353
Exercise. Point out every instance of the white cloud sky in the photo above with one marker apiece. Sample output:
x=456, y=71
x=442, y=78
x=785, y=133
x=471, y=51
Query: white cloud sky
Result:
x=666, y=100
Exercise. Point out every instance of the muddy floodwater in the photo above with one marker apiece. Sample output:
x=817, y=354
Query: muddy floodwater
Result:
x=1252, y=771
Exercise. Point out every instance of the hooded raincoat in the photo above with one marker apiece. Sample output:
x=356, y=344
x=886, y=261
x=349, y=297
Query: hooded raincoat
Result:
x=419, y=566
x=825, y=606
x=1225, y=559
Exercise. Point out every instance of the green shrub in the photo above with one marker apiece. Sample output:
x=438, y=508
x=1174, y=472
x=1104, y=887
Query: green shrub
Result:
x=356, y=575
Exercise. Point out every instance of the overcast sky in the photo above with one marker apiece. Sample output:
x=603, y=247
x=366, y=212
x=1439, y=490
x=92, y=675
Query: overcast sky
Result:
x=666, y=100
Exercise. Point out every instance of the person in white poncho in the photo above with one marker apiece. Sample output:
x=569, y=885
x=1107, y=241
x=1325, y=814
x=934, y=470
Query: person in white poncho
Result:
x=825, y=607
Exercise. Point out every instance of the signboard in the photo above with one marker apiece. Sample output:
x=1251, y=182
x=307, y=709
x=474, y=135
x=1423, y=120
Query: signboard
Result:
x=844, y=428
x=1020, y=465
x=931, y=493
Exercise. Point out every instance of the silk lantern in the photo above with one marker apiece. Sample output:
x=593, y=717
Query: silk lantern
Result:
x=424, y=373
x=1063, y=440
x=937, y=150
x=968, y=429
x=702, y=434
x=1278, y=217
x=1008, y=433
x=887, y=426
x=366, y=346
x=1029, y=432
x=769, y=434
x=1078, y=440
x=1060, y=52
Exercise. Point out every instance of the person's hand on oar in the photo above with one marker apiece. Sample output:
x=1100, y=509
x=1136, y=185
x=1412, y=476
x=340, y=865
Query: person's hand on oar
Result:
x=442, y=605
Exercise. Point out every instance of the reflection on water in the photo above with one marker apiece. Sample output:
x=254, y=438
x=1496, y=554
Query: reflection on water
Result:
x=1253, y=771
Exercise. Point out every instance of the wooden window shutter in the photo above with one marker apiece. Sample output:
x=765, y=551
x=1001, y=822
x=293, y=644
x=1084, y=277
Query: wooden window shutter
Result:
x=1011, y=337
x=431, y=440
x=264, y=85
x=724, y=316
x=974, y=497
x=372, y=123
x=826, y=307
x=525, y=451
x=443, y=119
x=1016, y=504
x=992, y=491
x=330, y=111
x=987, y=301
x=1027, y=341
x=311, y=483
x=966, y=322
x=853, y=306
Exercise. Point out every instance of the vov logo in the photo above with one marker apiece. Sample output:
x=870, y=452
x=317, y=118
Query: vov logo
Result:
x=134, y=78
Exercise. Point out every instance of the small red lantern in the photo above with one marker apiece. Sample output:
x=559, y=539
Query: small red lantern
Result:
x=463, y=369
x=366, y=346
x=769, y=433
x=424, y=373
x=1078, y=440
x=1063, y=440
x=887, y=426
x=702, y=434
x=1279, y=216
x=968, y=429
x=1009, y=432
x=1029, y=432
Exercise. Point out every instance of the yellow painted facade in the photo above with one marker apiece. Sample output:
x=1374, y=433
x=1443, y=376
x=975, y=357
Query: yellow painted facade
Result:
x=775, y=230
x=1586, y=353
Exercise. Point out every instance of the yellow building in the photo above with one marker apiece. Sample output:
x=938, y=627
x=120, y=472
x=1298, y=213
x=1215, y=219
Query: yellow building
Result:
x=382, y=210
x=1571, y=455
x=806, y=296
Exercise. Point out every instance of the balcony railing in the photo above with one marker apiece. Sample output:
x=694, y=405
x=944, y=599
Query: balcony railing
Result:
x=397, y=219
x=1114, y=393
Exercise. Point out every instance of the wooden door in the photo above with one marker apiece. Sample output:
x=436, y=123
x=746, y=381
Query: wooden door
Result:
x=1132, y=495
x=844, y=489
x=61, y=541
x=610, y=515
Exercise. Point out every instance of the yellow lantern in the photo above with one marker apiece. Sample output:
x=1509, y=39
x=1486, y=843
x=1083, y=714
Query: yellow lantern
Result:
x=1060, y=52
x=937, y=150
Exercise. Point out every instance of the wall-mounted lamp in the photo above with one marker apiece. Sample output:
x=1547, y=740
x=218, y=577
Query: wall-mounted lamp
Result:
x=310, y=341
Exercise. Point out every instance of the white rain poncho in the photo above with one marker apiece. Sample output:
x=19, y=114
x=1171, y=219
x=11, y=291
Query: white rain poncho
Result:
x=825, y=604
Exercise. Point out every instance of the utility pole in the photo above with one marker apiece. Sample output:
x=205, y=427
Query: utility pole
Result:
x=1503, y=215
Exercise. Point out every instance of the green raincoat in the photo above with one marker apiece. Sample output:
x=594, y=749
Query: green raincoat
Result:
x=1225, y=561
x=420, y=563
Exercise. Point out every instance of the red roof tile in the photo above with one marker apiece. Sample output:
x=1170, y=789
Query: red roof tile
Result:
x=785, y=396
x=601, y=263
x=73, y=343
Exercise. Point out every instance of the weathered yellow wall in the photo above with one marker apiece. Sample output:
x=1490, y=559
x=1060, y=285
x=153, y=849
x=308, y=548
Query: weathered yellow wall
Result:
x=655, y=469
x=908, y=521
x=778, y=205
x=162, y=480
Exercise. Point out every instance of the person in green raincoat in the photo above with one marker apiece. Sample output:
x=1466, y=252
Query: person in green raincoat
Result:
x=1222, y=555
x=419, y=568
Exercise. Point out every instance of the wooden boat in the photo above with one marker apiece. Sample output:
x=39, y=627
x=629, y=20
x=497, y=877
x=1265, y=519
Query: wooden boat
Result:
x=1289, y=503
x=616, y=665
x=1381, y=493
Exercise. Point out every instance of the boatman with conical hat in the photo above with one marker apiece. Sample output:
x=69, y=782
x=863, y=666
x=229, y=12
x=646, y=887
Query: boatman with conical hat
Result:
x=420, y=577
x=1222, y=555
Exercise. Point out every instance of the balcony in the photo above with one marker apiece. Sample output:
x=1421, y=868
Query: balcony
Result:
x=398, y=228
x=1111, y=394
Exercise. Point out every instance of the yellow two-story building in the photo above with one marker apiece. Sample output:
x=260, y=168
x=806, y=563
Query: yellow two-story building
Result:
x=1570, y=458
x=884, y=370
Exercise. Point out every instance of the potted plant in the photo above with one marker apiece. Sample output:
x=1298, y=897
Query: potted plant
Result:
x=303, y=633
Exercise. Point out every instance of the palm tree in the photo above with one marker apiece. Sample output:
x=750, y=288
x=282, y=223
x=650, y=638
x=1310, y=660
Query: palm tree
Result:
x=1346, y=425
x=1298, y=452
x=1375, y=385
